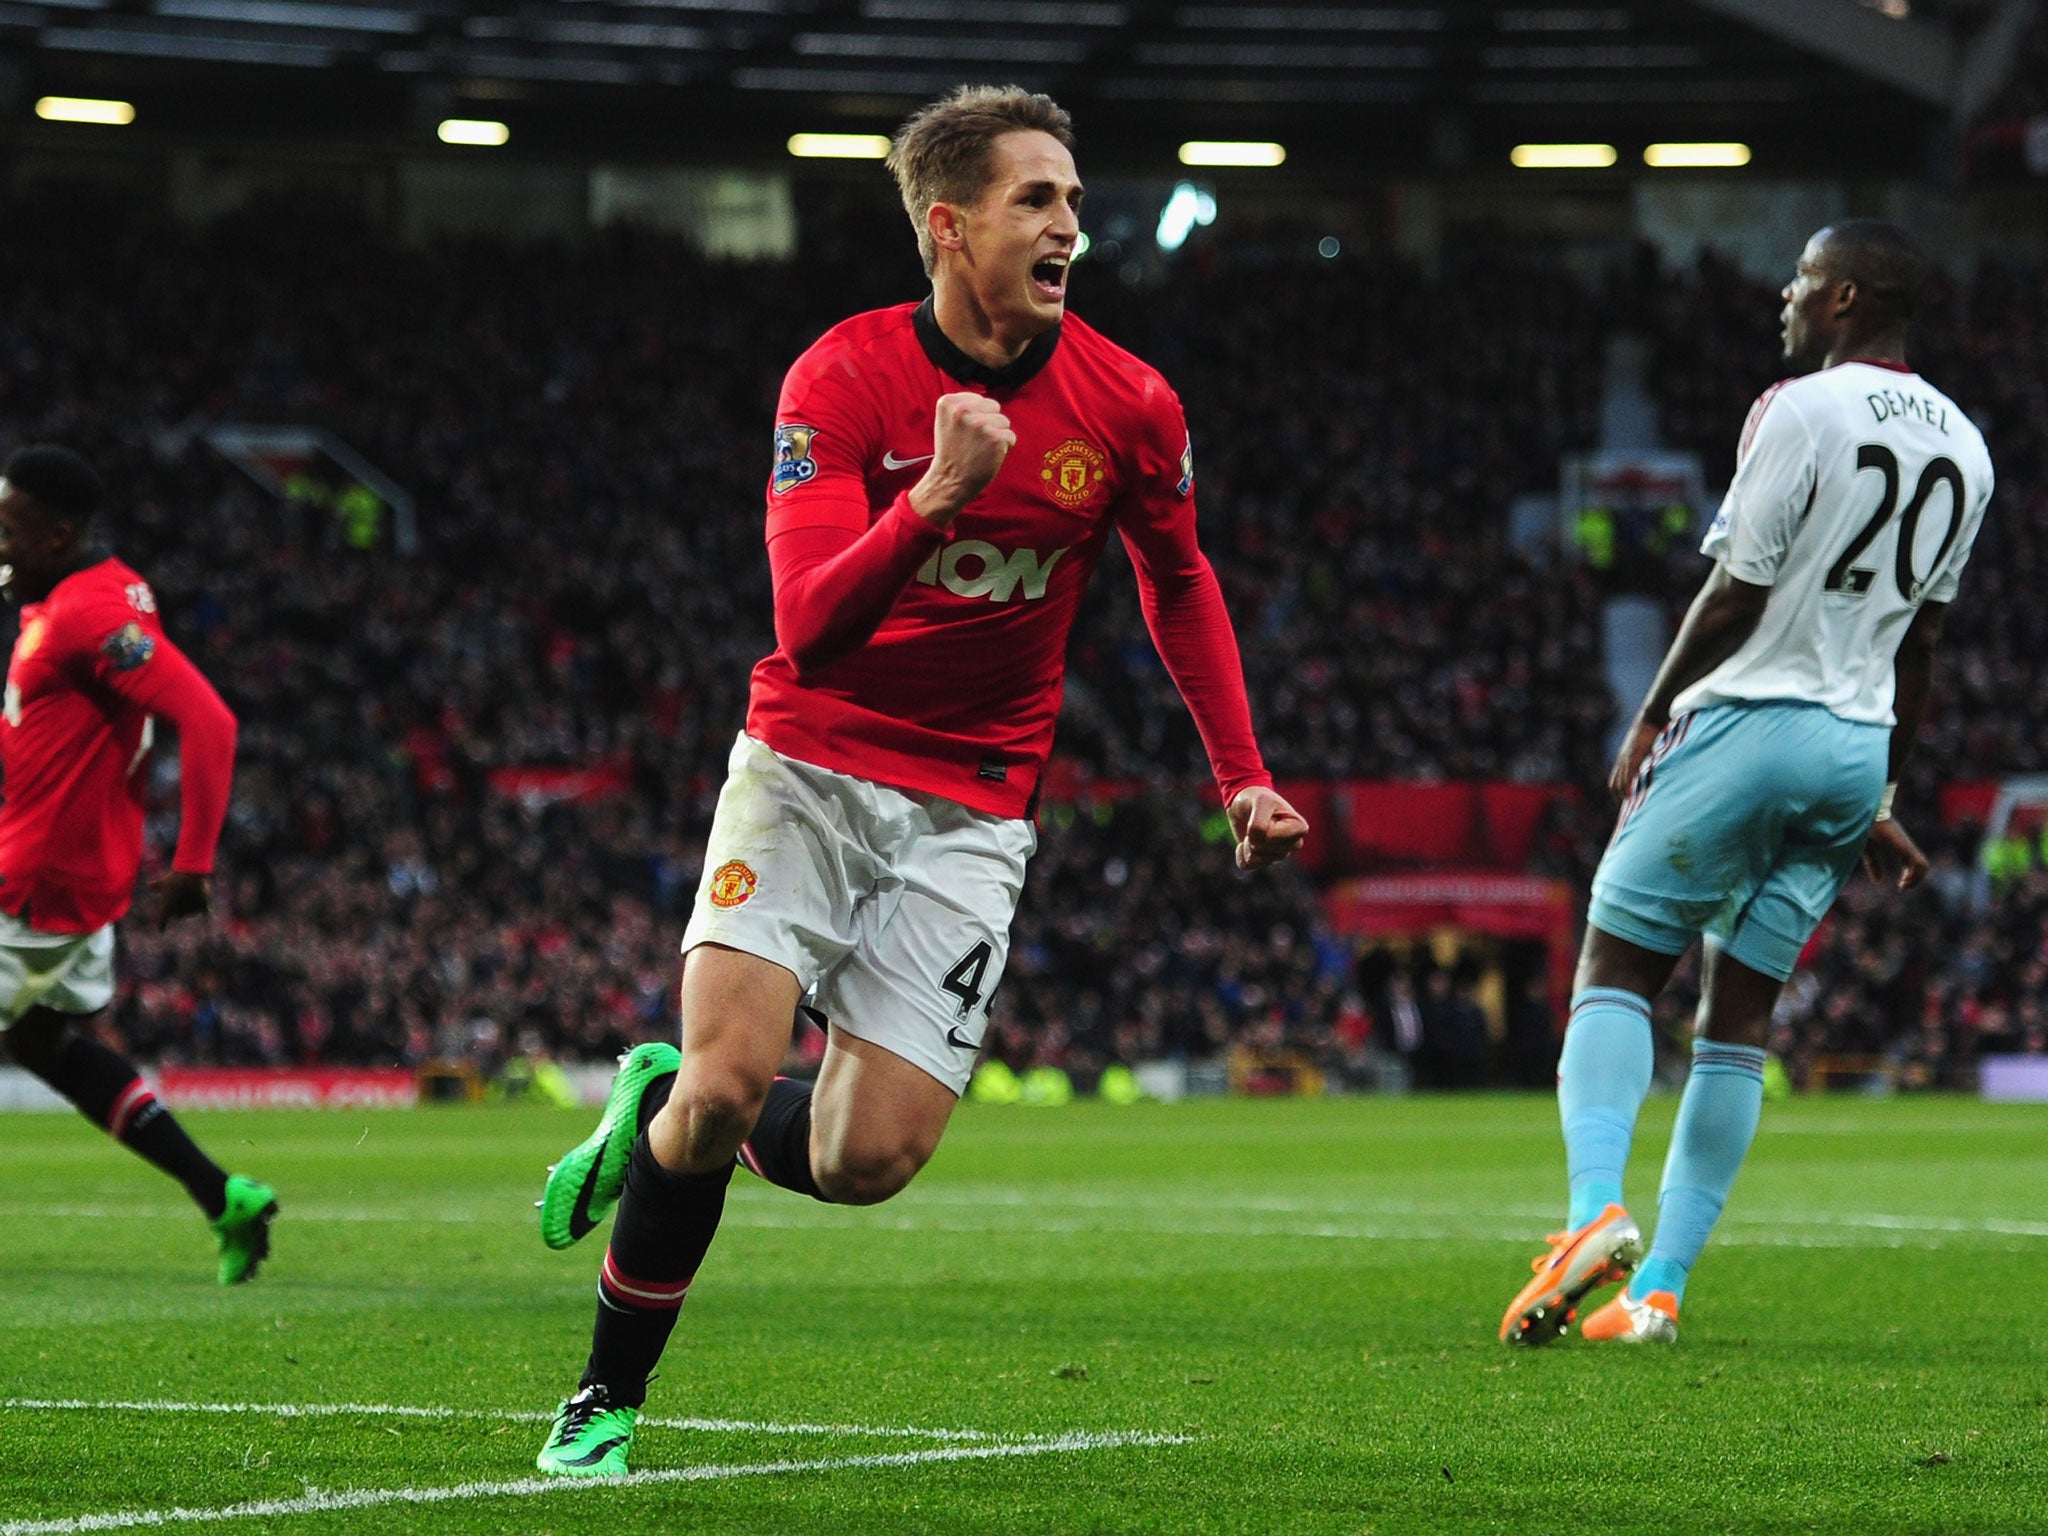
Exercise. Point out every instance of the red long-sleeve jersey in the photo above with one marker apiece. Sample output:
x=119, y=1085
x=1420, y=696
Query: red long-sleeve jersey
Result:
x=91, y=667
x=934, y=660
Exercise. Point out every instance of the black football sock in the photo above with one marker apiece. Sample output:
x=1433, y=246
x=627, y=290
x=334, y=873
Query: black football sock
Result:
x=659, y=1237
x=652, y=1097
x=780, y=1148
x=111, y=1093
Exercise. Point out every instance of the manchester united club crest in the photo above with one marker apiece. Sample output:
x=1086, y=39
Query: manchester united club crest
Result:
x=1073, y=473
x=732, y=883
x=31, y=639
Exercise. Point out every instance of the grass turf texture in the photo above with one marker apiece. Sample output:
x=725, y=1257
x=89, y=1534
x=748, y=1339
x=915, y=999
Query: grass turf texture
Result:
x=1309, y=1289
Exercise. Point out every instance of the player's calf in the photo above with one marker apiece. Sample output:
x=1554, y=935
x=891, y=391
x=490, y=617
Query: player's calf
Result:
x=876, y=1120
x=779, y=1148
x=857, y=1164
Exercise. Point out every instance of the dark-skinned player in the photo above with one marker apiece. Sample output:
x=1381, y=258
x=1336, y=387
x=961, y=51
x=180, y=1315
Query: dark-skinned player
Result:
x=91, y=674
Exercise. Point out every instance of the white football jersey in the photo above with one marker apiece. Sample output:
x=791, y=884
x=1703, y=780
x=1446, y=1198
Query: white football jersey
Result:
x=1858, y=492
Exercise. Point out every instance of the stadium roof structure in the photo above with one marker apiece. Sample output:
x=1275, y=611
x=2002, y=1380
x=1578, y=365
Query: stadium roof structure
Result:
x=1365, y=87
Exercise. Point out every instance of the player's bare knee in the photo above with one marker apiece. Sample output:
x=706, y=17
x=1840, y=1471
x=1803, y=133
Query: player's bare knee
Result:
x=1736, y=1002
x=1608, y=961
x=709, y=1113
x=1727, y=1020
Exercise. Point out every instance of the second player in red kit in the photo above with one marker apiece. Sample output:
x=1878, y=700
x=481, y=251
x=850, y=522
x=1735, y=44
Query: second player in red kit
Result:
x=92, y=672
x=945, y=479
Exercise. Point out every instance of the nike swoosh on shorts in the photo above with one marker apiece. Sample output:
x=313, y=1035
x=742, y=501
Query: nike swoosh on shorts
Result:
x=890, y=461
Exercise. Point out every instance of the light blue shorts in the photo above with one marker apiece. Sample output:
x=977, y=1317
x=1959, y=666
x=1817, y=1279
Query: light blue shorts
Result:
x=1743, y=825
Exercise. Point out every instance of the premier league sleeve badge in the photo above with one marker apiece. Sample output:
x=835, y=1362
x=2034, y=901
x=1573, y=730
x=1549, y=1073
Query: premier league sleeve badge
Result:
x=128, y=647
x=793, y=462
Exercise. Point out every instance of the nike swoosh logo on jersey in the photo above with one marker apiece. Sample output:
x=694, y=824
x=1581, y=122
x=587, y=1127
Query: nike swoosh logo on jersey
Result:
x=890, y=461
x=953, y=1039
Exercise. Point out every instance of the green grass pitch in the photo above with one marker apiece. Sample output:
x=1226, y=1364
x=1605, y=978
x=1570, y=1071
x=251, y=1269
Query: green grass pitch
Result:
x=1286, y=1309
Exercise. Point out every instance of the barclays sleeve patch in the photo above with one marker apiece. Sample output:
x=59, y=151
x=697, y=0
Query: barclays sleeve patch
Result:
x=128, y=647
x=1187, y=468
x=793, y=462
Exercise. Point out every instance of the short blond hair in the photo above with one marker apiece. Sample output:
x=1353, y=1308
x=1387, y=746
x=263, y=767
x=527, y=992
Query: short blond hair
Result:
x=942, y=153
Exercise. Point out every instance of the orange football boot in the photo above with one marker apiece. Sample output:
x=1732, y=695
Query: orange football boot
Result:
x=1602, y=1252
x=1653, y=1320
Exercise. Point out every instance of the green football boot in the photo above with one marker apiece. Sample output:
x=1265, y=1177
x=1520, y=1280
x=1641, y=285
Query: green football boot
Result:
x=590, y=1437
x=242, y=1232
x=584, y=1186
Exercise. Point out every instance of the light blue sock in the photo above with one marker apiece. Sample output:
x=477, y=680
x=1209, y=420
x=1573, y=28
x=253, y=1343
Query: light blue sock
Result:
x=1716, y=1123
x=1602, y=1075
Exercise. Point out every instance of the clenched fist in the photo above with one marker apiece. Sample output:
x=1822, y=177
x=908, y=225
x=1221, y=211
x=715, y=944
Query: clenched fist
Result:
x=970, y=439
x=1268, y=828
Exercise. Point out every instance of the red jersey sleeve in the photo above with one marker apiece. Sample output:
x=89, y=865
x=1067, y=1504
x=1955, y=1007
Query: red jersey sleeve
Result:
x=1178, y=589
x=133, y=659
x=837, y=569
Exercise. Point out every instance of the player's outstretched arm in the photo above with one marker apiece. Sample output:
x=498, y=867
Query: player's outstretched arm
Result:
x=1190, y=626
x=1891, y=856
x=1724, y=614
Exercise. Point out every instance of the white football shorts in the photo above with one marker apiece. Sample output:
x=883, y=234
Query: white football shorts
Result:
x=64, y=972
x=891, y=907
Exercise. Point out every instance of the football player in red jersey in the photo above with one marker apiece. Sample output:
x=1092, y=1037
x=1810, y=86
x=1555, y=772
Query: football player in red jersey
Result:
x=946, y=476
x=91, y=672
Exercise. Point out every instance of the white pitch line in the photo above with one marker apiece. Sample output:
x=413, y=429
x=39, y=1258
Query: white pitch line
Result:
x=313, y=1501
x=500, y=1415
x=1763, y=1231
x=1426, y=1224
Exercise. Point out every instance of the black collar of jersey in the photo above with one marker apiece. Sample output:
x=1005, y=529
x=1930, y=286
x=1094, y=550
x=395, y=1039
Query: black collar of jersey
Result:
x=948, y=358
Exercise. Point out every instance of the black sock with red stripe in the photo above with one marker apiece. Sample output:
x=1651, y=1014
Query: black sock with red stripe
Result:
x=111, y=1093
x=780, y=1148
x=663, y=1229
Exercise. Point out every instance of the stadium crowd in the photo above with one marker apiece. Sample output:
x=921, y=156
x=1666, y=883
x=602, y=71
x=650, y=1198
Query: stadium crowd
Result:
x=475, y=778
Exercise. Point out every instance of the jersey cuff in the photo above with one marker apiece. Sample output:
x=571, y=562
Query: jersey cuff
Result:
x=920, y=527
x=1236, y=787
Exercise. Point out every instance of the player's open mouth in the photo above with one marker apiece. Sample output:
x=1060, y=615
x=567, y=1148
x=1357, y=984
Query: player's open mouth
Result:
x=1049, y=278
